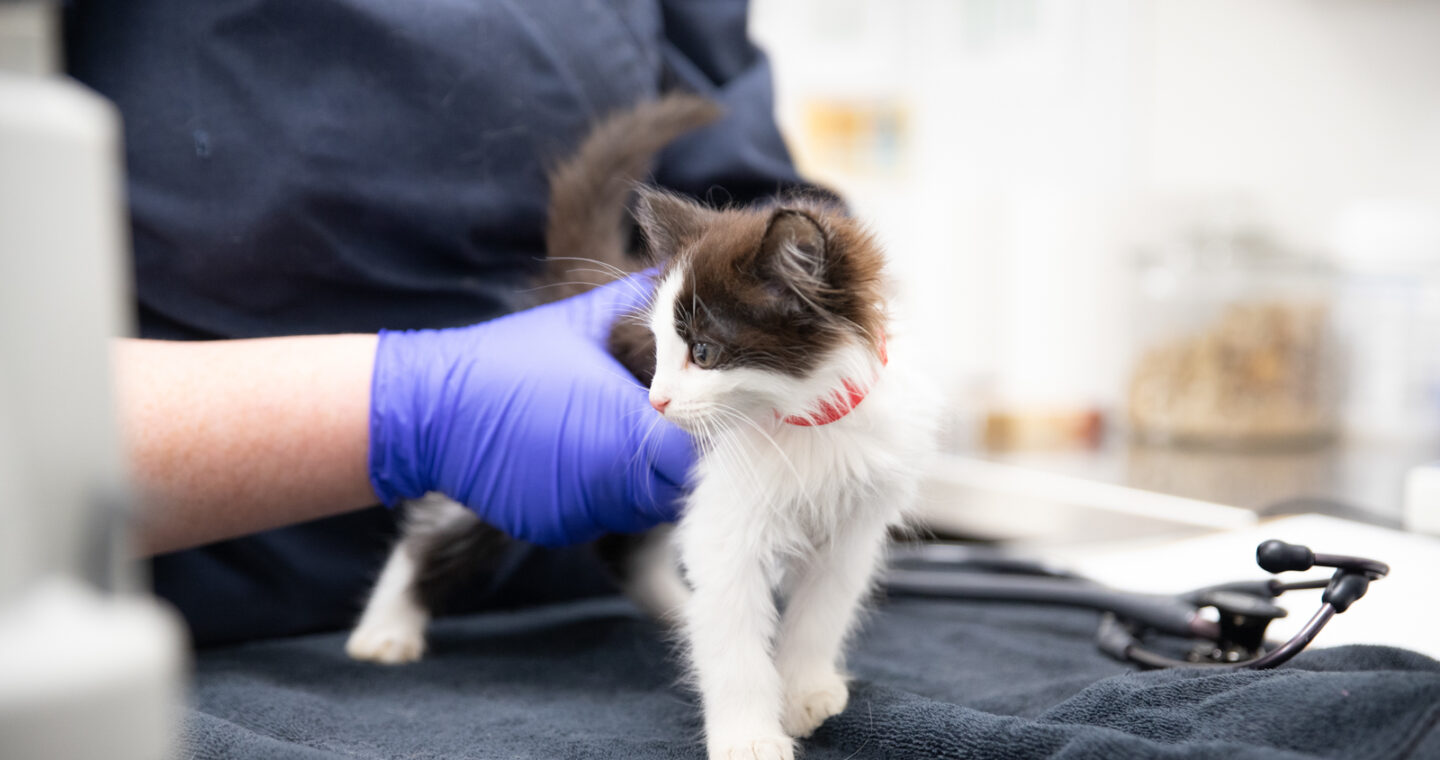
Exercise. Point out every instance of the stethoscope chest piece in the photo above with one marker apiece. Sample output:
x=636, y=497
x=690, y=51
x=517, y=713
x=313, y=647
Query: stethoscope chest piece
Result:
x=1236, y=639
x=1242, y=621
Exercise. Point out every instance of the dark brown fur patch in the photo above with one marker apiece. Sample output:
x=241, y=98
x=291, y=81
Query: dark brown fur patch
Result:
x=774, y=287
x=633, y=345
x=590, y=191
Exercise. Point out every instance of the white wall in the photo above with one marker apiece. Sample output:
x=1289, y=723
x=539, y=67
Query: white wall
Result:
x=1306, y=106
x=1047, y=137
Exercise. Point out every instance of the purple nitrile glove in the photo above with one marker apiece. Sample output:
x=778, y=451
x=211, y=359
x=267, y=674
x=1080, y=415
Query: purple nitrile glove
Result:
x=528, y=421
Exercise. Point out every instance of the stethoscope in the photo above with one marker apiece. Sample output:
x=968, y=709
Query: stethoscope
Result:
x=1234, y=639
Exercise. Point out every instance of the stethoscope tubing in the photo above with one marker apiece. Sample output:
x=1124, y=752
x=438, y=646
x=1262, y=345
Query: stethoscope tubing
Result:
x=1163, y=613
x=953, y=572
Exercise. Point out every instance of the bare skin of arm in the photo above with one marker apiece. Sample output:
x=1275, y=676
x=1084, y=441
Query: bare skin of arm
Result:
x=226, y=438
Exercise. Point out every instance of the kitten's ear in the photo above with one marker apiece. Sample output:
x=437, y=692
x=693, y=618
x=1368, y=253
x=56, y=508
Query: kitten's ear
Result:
x=794, y=248
x=669, y=220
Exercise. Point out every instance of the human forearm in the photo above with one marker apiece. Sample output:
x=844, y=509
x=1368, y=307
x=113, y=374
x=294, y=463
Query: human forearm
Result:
x=526, y=419
x=230, y=437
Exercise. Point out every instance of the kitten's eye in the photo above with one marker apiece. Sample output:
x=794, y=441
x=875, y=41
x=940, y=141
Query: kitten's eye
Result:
x=704, y=355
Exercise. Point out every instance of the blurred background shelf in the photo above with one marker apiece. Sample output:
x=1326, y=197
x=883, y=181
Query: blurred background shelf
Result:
x=1123, y=490
x=969, y=497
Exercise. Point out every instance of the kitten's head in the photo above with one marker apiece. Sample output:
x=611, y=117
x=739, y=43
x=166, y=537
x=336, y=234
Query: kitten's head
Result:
x=758, y=310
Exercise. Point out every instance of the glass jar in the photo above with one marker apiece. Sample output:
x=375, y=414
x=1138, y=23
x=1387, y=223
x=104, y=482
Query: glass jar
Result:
x=1233, y=347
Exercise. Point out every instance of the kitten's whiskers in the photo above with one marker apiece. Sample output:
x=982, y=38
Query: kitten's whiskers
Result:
x=799, y=481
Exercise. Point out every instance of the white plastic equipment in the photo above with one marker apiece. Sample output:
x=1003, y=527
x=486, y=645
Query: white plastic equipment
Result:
x=89, y=667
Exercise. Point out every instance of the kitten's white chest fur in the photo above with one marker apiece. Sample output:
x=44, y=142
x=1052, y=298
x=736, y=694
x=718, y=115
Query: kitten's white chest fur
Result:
x=794, y=487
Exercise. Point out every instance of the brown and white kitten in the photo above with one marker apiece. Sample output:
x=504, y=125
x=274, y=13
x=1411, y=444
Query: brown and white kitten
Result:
x=767, y=339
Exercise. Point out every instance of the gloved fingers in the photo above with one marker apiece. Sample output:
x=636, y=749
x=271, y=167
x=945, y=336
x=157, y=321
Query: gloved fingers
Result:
x=673, y=453
x=653, y=501
x=663, y=505
x=664, y=456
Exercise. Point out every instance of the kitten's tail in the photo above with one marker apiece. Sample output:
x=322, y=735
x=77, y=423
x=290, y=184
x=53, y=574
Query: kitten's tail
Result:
x=590, y=191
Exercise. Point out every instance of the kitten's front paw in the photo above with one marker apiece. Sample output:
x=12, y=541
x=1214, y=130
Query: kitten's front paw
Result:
x=774, y=748
x=386, y=644
x=811, y=702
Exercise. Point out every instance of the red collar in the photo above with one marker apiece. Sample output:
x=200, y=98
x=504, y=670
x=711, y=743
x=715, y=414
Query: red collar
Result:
x=839, y=403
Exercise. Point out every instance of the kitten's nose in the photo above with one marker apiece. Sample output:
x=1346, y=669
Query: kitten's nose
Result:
x=659, y=404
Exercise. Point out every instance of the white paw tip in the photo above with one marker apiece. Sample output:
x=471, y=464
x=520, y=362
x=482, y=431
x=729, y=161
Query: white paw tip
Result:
x=385, y=646
x=758, y=749
x=805, y=713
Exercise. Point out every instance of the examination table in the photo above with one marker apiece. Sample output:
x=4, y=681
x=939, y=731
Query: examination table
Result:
x=932, y=679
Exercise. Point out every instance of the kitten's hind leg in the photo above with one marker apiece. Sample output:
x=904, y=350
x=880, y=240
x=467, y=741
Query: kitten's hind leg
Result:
x=441, y=545
x=647, y=568
x=391, y=631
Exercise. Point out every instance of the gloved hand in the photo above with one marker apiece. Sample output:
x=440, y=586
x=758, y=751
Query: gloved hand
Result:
x=529, y=421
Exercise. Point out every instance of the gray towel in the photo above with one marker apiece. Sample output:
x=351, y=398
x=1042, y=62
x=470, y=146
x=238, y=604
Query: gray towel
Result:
x=933, y=679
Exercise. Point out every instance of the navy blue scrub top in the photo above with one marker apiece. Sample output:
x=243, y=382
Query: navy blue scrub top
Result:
x=349, y=165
